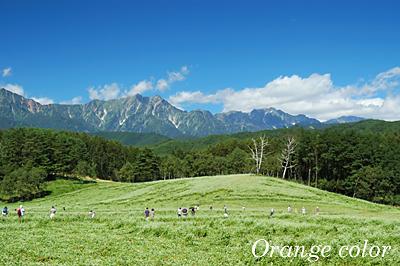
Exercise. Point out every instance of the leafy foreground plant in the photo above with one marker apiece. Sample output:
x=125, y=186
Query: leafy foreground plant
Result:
x=206, y=239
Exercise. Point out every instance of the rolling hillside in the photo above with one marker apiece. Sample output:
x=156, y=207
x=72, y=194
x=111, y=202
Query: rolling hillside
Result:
x=119, y=234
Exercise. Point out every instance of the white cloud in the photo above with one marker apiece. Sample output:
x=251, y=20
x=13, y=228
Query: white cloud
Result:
x=315, y=96
x=75, y=100
x=15, y=88
x=139, y=88
x=7, y=72
x=43, y=100
x=162, y=84
x=108, y=92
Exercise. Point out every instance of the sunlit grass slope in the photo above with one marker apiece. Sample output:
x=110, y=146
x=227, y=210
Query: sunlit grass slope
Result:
x=119, y=234
x=256, y=192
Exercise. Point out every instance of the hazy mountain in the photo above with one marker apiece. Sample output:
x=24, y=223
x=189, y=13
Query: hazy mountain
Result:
x=344, y=119
x=139, y=114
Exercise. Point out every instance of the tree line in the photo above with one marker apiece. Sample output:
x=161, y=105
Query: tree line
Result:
x=356, y=164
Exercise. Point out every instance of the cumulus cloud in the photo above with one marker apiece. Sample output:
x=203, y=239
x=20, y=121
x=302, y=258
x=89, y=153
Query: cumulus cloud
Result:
x=315, y=96
x=15, y=88
x=139, y=88
x=43, y=100
x=162, y=84
x=75, y=100
x=106, y=93
x=7, y=72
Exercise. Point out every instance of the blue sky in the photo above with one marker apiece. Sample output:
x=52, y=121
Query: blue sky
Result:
x=318, y=58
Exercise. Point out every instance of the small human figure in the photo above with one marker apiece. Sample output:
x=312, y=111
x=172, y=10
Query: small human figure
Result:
x=210, y=208
x=288, y=208
x=5, y=211
x=64, y=209
x=146, y=213
x=52, y=211
x=20, y=212
x=272, y=211
x=193, y=212
x=198, y=207
x=179, y=212
x=225, y=208
x=91, y=214
x=317, y=210
x=152, y=213
x=304, y=211
x=226, y=215
x=244, y=207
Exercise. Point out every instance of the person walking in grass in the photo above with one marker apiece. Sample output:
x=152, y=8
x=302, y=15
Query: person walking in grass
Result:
x=272, y=211
x=244, y=208
x=5, y=211
x=91, y=214
x=288, y=208
x=52, y=211
x=317, y=210
x=20, y=212
x=146, y=213
x=179, y=212
x=304, y=211
x=152, y=213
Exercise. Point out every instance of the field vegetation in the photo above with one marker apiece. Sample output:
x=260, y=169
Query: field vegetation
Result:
x=119, y=234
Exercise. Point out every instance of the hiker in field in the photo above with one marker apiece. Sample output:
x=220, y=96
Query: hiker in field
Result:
x=225, y=208
x=317, y=210
x=91, y=214
x=20, y=212
x=226, y=215
x=244, y=208
x=272, y=211
x=198, y=207
x=179, y=212
x=304, y=211
x=193, y=212
x=152, y=213
x=64, y=209
x=5, y=211
x=288, y=208
x=210, y=208
x=146, y=213
x=52, y=211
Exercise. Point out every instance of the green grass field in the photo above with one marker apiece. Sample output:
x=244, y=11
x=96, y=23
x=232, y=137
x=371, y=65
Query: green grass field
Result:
x=119, y=234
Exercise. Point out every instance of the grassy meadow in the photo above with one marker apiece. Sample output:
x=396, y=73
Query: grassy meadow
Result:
x=119, y=235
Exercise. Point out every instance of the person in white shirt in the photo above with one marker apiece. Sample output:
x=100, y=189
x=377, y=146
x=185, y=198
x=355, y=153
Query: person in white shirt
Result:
x=20, y=211
x=288, y=208
x=304, y=211
x=52, y=211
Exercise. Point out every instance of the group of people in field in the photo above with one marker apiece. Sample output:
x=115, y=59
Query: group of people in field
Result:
x=303, y=210
x=20, y=212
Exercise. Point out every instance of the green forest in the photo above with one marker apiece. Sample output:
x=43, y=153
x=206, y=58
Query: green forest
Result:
x=353, y=163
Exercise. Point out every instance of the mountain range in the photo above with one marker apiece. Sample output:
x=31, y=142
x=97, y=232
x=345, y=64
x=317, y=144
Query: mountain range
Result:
x=142, y=114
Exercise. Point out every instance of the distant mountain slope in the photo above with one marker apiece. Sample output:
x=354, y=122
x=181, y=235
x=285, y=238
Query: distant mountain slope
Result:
x=268, y=118
x=344, y=119
x=141, y=115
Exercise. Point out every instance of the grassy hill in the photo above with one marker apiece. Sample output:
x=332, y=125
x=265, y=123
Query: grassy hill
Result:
x=119, y=234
